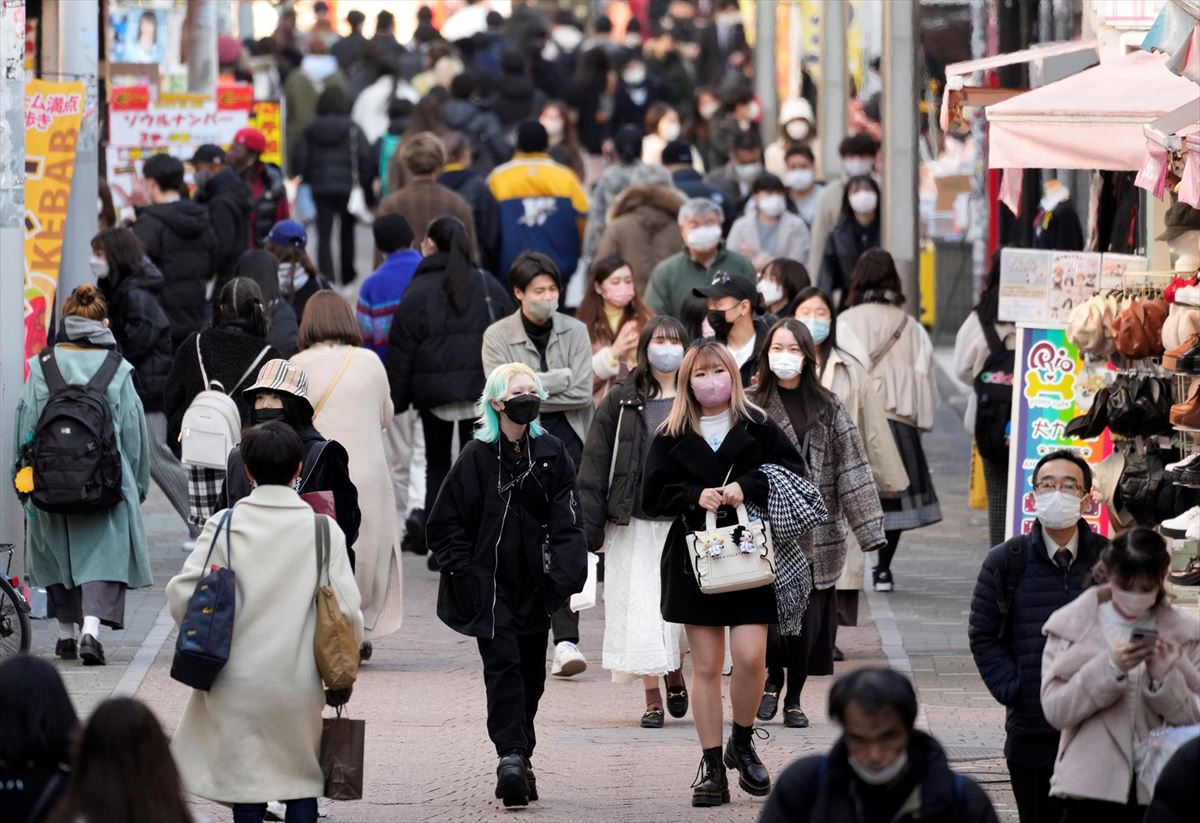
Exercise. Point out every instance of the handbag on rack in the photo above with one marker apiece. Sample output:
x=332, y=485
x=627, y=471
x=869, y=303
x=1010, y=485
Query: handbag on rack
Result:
x=336, y=650
x=1137, y=331
x=357, y=204
x=732, y=558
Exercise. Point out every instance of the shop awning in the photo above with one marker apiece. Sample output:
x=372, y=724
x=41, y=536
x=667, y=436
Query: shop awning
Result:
x=1031, y=55
x=1090, y=120
x=1176, y=32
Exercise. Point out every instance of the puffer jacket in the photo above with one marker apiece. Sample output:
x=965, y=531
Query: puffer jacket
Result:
x=434, y=355
x=1009, y=657
x=228, y=201
x=515, y=99
x=482, y=128
x=322, y=156
x=642, y=228
x=179, y=239
x=143, y=331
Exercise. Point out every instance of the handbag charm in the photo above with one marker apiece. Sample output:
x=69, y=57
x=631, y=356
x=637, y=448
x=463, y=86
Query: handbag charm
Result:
x=735, y=557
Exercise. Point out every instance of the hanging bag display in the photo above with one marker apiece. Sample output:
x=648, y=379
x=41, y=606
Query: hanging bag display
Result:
x=732, y=558
x=334, y=645
x=206, y=631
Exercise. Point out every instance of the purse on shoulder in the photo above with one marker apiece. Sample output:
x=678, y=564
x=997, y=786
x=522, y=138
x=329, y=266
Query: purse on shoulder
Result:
x=333, y=642
x=732, y=558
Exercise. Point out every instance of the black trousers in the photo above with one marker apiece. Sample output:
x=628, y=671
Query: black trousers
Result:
x=439, y=451
x=1100, y=811
x=329, y=207
x=514, y=674
x=809, y=653
x=1030, y=759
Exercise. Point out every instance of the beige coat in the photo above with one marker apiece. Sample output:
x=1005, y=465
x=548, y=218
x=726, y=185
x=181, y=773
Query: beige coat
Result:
x=256, y=735
x=845, y=377
x=1082, y=697
x=356, y=414
x=903, y=379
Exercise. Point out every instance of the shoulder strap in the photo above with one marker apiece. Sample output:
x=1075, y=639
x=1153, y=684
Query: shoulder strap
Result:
x=1010, y=572
x=612, y=464
x=247, y=372
x=488, y=298
x=353, y=154
x=995, y=344
x=104, y=374
x=200, y=360
x=223, y=524
x=886, y=347
x=50, y=371
x=336, y=378
x=50, y=793
x=321, y=524
x=311, y=460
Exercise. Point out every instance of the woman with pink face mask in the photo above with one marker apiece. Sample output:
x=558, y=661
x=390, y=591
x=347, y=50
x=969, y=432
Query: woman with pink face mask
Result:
x=1119, y=661
x=709, y=456
x=614, y=314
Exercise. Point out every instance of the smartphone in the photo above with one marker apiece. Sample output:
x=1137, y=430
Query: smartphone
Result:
x=1144, y=636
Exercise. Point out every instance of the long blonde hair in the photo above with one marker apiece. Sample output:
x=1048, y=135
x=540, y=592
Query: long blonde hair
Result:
x=685, y=411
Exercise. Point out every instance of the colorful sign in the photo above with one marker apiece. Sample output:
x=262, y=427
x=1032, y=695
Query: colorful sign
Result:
x=53, y=112
x=267, y=117
x=1053, y=387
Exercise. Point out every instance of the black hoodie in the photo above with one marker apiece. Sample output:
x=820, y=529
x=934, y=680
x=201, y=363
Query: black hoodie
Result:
x=515, y=99
x=227, y=199
x=323, y=156
x=142, y=330
x=180, y=241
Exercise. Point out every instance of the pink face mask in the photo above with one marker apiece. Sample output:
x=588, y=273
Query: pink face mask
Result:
x=1132, y=604
x=713, y=390
x=619, y=295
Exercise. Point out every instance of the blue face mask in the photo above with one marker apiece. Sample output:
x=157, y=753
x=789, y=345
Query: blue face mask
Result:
x=818, y=327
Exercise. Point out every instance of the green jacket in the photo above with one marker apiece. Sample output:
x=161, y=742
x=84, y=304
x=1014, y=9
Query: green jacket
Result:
x=673, y=279
x=105, y=546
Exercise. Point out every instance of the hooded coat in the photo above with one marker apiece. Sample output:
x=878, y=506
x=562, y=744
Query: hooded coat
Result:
x=228, y=201
x=515, y=99
x=642, y=228
x=482, y=127
x=179, y=240
x=323, y=156
x=613, y=181
x=143, y=331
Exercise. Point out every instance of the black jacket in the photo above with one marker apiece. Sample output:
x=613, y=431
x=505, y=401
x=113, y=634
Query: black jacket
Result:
x=630, y=104
x=323, y=156
x=470, y=518
x=482, y=127
x=824, y=789
x=228, y=201
x=1009, y=658
x=515, y=99
x=845, y=244
x=435, y=356
x=269, y=199
x=331, y=473
x=143, y=331
x=1174, y=798
x=228, y=353
x=179, y=240
x=284, y=328
x=484, y=208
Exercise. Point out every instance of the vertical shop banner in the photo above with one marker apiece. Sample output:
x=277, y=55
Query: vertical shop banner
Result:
x=53, y=112
x=267, y=117
x=1052, y=387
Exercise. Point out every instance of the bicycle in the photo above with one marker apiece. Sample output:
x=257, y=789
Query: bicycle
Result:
x=15, y=633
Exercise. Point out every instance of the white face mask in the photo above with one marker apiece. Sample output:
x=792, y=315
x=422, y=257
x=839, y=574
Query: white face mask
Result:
x=747, y=173
x=772, y=205
x=99, y=266
x=669, y=130
x=785, y=365
x=634, y=76
x=885, y=775
x=542, y=310
x=799, y=179
x=707, y=112
x=567, y=37
x=797, y=130
x=856, y=166
x=1057, y=510
x=703, y=238
x=771, y=291
x=864, y=202
x=553, y=127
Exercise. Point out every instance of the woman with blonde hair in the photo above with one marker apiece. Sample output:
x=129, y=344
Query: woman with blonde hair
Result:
x=709, y=455
x=509, y=543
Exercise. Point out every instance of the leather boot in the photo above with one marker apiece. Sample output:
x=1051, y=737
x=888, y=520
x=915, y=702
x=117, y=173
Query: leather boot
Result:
x=711, y=786
x=742, y=758
x=512, y=780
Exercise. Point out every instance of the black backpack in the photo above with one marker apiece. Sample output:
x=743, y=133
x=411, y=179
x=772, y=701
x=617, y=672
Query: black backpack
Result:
x=76, y=464
x=994, y=391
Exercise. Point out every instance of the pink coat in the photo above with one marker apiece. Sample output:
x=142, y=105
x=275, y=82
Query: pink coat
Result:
x=1082, y=697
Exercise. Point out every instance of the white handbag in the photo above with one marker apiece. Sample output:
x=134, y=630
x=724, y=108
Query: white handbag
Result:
x=732, y=558
x=586, y=599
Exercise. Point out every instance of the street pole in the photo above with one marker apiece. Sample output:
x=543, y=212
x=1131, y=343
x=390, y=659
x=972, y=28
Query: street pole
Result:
x=200, y=32
x=764, y=68
x=900, y=135
x=79, y=59
x=979, y=190
x=834, y=95
x=245, y=19
x=12, y=256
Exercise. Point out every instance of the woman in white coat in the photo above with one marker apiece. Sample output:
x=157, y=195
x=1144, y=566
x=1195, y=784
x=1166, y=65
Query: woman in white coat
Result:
x=352, y=405
x=256, y=735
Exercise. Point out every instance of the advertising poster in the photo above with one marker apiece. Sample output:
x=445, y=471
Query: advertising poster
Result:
x=1046, y=286
x=52, y=116
x=1052, y=388
x=267, y=117
x=139, y=35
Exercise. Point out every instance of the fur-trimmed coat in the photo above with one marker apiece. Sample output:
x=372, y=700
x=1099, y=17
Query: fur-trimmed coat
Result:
x=642, y=229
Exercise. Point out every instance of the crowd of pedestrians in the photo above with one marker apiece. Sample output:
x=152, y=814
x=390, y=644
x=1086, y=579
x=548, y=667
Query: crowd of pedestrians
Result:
x=604, y=316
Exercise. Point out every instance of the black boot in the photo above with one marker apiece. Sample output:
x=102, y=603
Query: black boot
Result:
x=533, y=795
x=711, y=787
x=741, y=757
x=414, y=533
x=512, y=780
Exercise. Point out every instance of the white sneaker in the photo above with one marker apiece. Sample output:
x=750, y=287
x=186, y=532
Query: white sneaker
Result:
x=568, y=660
x=1183, y=524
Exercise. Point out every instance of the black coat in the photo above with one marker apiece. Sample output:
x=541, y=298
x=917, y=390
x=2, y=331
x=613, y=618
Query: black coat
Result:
x=284, y=328
x=482, y=127
x=323, y=156
x=180, y=241
x=515, y=99
x=470, y=518
x=228, y=202
x=845, y=244
x=627, y=111
x=677, y=470
x=1012, y=667
x=824, y=789
x=484, y=208
x=435, y=356
x=143, y=331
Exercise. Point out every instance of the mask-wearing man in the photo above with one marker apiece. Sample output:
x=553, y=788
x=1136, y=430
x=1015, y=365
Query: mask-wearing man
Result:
x=265, y=180
x=732, y=300
x=800, y=177
x=226, y=197
x=857, y=154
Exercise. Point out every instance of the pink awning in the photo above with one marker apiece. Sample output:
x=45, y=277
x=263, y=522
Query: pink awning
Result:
x=1030, y=55
x=1091, y=120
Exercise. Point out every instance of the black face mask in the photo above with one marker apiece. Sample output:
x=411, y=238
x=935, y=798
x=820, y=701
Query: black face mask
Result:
x=720, y=323
x=267, y=415
x=522, y=409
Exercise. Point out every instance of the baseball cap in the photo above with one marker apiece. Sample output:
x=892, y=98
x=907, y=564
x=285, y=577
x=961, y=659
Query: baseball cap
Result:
x=288, y=233
x=729, y=285
x=252, y=139
x=208, y=153
x=677, y=153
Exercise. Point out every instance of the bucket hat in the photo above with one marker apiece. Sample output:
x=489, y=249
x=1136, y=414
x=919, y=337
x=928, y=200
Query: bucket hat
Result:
x=281, y=377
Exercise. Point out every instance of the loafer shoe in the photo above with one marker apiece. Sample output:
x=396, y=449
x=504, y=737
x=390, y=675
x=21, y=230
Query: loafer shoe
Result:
x=794, y=718
x=653, y=718
x=677, y=701
x=768, y=707
x=66, y=649
x=91, y=651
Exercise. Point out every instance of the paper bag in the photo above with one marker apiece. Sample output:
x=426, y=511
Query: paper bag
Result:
x=586, y=599
x=342, y=742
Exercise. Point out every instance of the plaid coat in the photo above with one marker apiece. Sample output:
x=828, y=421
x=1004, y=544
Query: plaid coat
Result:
x=838, y=466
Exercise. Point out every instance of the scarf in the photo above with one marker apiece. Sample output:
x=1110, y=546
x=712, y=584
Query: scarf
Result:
x=794, y=508
x=299, y=281
x=80, y=329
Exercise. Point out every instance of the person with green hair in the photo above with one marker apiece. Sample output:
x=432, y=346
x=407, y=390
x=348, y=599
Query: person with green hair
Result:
x=508, y=538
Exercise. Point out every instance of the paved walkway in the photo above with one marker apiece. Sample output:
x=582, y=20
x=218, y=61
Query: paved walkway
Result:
x=428, y=757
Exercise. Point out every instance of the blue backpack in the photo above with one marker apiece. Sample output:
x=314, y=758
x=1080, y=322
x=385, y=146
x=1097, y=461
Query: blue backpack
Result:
x=206, y=633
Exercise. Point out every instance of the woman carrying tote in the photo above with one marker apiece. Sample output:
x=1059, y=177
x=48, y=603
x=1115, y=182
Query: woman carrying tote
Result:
x=709, y=454
x=637, y=641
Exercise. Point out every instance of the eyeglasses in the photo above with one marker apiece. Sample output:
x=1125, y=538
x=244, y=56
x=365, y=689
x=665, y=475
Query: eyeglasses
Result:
x=1067, y=486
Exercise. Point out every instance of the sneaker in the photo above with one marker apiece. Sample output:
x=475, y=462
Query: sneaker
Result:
x=1181, y=525
x=568, y=660
x=1185, y=463
x=882, y=580
x=1188, y=575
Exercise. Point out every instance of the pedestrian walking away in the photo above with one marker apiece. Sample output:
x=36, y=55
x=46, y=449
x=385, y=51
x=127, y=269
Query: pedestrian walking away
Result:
x=509, y=542
x=298, y=277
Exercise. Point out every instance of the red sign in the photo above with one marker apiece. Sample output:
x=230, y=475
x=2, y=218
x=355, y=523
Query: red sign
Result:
x=130, y=98
x=235, y=97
